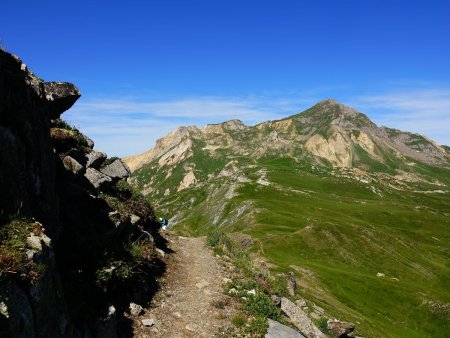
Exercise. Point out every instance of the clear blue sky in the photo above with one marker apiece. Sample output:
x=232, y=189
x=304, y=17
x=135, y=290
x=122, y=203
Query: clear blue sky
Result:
x=145, y=67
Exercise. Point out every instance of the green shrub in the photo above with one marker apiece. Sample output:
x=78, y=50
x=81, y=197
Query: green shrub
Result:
x=261, y=305
x=213, y=239
x=125, y=271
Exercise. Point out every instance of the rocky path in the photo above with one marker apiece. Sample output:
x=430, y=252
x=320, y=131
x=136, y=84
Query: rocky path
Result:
x=191, y=302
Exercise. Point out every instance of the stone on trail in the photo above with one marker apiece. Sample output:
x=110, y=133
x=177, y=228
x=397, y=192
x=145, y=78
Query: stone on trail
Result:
x=148, y=322
x=160, y=252
x=135, y=309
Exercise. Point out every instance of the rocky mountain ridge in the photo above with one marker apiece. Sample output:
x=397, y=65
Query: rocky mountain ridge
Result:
x=328, y=130
x=327, y=134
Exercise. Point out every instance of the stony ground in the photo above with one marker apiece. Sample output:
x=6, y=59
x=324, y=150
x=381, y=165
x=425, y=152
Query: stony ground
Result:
x=191, y=302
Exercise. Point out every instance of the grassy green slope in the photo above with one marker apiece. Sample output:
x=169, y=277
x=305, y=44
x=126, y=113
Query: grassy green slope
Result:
x=337, y=234
x=337, y=231
x=345, y=235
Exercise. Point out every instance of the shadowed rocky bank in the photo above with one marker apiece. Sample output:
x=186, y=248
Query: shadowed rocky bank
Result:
x=77, y=242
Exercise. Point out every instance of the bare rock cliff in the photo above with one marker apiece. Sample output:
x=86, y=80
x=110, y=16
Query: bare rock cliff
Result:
x=69, y=222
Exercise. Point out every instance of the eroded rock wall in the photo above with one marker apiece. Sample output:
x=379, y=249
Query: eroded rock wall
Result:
x=75, y=219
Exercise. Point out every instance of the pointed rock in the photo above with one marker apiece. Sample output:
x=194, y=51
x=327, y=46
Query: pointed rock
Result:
x=60, y=96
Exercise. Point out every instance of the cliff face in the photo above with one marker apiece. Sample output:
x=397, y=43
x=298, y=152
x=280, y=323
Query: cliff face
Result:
x=72, y=232
x=27, y=104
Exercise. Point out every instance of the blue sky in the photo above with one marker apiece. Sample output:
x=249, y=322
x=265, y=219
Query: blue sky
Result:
x=145, y=67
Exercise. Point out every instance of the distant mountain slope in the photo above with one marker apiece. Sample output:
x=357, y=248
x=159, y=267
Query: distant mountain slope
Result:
x=328, y=133
x=360, y=213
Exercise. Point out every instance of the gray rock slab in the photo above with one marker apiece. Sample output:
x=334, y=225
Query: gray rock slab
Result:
x=117, y=169
x=96, y=178
x=72, y=165
x=277, y=330
x=95, y=159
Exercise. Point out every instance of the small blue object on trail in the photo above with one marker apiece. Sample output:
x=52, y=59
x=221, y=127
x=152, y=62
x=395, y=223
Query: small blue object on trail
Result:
x=164, y=223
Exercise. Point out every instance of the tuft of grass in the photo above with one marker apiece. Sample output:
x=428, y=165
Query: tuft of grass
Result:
x=321, y=323
x=238, y=321
x=13, y=259
x=74, y=132
x=257, y=327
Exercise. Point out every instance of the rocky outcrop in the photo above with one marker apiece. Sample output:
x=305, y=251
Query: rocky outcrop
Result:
x=27, y=182
x=65, y=275
x=338, y=328
x=116, y=170
x=60, y=96
x=300, y=319
x=97, y=179
x=95, y=159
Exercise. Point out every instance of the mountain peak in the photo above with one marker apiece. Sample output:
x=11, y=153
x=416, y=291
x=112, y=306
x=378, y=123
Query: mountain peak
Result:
x=328, y=101
x=332, y=112
x=328, y=104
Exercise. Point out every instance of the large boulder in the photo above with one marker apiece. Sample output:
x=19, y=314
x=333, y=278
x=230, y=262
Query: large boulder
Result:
x=72, y=165
x=277, y=330
x=117, y=170
x=95, y=159
x=300, y=319
x=97, y=179
x=60, y=96
x=338, y=328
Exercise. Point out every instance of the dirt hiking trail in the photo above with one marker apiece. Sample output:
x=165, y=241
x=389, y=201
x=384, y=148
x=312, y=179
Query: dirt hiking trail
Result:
x=191, y=302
